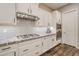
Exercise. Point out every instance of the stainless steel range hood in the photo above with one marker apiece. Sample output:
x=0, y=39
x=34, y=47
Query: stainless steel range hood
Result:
x=26, y=16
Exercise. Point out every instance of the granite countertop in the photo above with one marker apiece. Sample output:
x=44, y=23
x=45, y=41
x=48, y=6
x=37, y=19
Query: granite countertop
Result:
x=16, y=40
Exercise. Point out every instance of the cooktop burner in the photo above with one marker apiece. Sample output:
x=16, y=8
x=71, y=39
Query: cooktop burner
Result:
x=28, y=36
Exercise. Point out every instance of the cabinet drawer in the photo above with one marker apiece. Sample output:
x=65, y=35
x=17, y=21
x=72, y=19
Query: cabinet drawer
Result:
x=9, y=53
x=28, y=42
x=37, y=52
x=7, y=48
x=24, y=50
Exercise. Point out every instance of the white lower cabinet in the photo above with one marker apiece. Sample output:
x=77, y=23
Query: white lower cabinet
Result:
x=44, y=44
x=9, y=50
x=9, y=53
x=51, y=40
x=34, y=47
x=36, y=52
x=47, y=43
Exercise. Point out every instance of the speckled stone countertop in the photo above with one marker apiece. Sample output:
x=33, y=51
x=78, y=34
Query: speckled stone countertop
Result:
x=16, y=40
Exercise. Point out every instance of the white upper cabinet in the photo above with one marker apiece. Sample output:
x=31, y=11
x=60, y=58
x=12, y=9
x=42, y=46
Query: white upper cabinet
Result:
x=7, y=13
x=33, y=8
x=22, y=7
x=26, y=7
x=40, y=14
x=56, y=18
x=44, y=17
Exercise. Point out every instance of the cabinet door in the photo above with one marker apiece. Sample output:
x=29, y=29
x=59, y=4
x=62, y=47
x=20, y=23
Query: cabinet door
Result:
x=44, y=44
x=50, y=19
x=8, y=53
x=7, y=13
x=50, y=42
x=30, y=49
x=69, y=28
x=38, y=12
x=22, y=7
x=34, y=9
x=43, y=15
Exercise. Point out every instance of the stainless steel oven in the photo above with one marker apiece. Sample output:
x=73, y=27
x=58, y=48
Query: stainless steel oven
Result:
x=58, y=31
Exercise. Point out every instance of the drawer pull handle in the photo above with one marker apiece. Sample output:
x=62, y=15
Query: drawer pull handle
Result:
x=52, y=39
x=6, y=48
x=14, y=20
x=25, y=50
x=37, y=53
x=42, y=43
x=37, y=45
x=14, y=53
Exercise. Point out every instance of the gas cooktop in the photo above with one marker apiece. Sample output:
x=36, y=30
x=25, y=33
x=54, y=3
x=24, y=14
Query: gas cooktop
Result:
x=28, y=36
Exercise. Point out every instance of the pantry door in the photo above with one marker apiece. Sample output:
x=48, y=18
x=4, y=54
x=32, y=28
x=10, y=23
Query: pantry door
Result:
x=69, y=27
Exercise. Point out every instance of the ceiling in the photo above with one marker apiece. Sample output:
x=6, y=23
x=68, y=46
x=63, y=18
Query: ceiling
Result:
x=55, y=5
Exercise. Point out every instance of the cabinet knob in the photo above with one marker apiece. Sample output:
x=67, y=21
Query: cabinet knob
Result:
x=52, y=39
x=37, y=53
x=14, y=20
x=25, y=50
x=6, y=48
x=37, y=45
x=42, y=43
x=14, y=53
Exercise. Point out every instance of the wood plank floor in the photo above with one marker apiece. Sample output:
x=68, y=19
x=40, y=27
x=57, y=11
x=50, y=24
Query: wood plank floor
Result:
x=62, y=50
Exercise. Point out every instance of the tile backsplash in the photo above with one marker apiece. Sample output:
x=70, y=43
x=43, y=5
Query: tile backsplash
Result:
x=7, y=32
x=22, y=27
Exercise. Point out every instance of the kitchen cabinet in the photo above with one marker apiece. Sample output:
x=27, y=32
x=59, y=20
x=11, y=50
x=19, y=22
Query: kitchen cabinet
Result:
x=51, y=40
x=38, y=46
x=9, y=53
x=40, y=14
x=26, y=7
x=7, y=14
x=56, y=18
x=48, y=43
x=9, y=50
x=30, y=48
x=22, y=7
x=34, y=47
x=44, y=44
x=44, y=17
